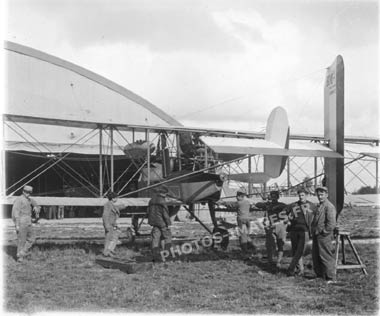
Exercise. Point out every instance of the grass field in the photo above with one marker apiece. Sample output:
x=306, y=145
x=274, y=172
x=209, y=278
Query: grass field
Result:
x=66, y=278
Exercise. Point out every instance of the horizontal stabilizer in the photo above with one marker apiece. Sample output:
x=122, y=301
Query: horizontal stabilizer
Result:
x=227, y=146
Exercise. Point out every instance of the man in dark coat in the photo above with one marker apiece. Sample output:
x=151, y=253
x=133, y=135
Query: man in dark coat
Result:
x=275, y=228
x=158, y=218
x=300, y=217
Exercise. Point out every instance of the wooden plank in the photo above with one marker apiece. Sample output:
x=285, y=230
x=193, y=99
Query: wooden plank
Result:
x=356, y=255
x=123, y=264
x=337, y=250
x=350, y=266
x=343, y=251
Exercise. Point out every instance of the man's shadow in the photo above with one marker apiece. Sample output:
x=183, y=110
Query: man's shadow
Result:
x=263, y=264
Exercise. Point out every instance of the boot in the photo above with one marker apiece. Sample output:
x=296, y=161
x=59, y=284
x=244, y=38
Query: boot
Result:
x=111, y=248
x=168, y=246
x=300, y=268
x=156, y=254
x=279, y=259
x=244, y=248
x=270, y=256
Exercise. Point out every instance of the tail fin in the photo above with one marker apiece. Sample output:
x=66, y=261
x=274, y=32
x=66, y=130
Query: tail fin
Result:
x=277, y=132
x=334, y=130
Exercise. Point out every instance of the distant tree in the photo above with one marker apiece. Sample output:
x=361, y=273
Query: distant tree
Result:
x=367, y=190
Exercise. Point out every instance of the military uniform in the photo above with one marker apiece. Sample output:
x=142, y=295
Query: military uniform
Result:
x=244, y=223
x=300, y=215
x=111, y=213
x=22, y=218
x=158, y=218
x=322, y=231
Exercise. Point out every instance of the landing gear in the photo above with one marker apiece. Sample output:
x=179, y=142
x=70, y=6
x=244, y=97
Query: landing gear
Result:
x=135, y=224
x=211, y=207
x=129, y=235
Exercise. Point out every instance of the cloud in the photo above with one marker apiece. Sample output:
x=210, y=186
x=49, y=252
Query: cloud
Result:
x=91, y=23
x=214, y=65
x=356, y=24
x=273, y=69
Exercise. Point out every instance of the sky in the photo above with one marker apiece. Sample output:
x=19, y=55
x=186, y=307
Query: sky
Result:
x=222, y=64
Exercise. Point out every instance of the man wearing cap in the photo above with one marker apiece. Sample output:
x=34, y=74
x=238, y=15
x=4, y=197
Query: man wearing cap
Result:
x=322, y=231
x=111, y=213
x=275, y=227
x=300, y=215
x=158, y=218
x=243, y=219
x=22, y=218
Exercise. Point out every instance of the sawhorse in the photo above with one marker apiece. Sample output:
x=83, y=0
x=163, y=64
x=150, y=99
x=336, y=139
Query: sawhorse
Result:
x=342, y=236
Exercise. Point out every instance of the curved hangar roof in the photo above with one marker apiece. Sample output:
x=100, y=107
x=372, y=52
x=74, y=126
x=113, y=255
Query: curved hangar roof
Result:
x=45, y=86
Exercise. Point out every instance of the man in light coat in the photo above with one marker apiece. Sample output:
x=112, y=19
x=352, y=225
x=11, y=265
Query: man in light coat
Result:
x=22, y=218
x=322, y=231
x=243, y=220
x=111, y=213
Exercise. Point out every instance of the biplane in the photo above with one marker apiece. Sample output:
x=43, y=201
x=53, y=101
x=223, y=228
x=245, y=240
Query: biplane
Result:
x=47, y=96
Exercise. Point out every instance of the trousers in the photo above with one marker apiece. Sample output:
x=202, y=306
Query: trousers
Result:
x=160, y=234
x=25, y=239
x=111, y=239
x=323, y=258
x=244, y=228
x=275, y=235
x=298, y=240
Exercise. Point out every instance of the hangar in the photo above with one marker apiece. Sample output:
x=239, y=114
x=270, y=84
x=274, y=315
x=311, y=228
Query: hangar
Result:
x=45, y=86
x=48, y=87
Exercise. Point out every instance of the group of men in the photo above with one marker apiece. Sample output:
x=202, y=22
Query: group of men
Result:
x=302, y=220
x=158, y=218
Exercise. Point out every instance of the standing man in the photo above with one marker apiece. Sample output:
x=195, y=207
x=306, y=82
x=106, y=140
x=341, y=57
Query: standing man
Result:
x=111, y=213
x=243, y=220
x=275, y=228
x=22, y=218
x=158, y=218
x=300, y=217
x=322, y=230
